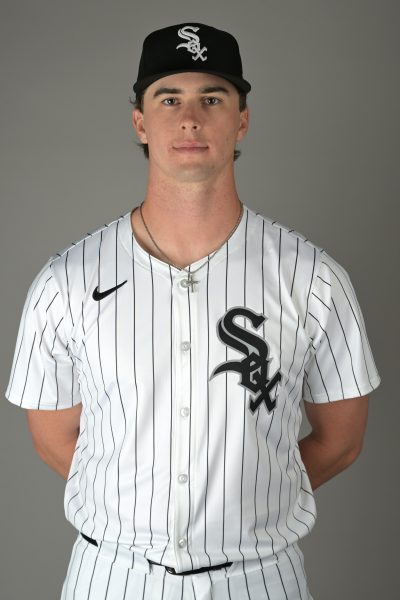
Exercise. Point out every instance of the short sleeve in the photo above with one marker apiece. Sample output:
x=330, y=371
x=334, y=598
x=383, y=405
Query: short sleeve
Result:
x=341, y=364
x=43, y=373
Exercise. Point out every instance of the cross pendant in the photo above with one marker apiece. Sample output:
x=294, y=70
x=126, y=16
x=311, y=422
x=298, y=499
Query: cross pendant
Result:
x=190, y=282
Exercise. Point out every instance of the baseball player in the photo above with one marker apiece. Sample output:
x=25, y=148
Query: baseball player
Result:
x=163, y=359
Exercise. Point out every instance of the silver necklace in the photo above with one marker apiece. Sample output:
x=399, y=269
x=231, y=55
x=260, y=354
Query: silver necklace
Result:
x=190, y=281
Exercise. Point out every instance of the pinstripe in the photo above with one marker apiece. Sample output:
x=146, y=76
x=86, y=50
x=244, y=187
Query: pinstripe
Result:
x=300, y=561
x=324, y=280
x=100, y=429
x=322, y=302
x=126, y=584
x=266, y=445
x=153, y=400
x=295, y=575
x=357, y=320
x=51, y=302
x=104, y=389
x=310, y=287
x=322, y=379
x=258, y=414
x=91, y=577
x=67, y=578
x=83, y=505
x=171, y=403
x=255, y=487
x=29, y=298
x=116, y=296
x=331, y=350
x=243, y=407
x=292, y=404
x=226, y=408
x=347, y=345
x=295, y=266
x=307, y=385
x=190, y=421
x=281, y=579
x=280, y=365
x=67, y=286
x=40, y=392
x=90, y=406
x=14, y=368
x=55, y=362
x=136, y=390
x=41, y=293
x=208, y=410
x=171, y=411
x=247, y=585
x=78, y=574
x=265, y=586
x=27, y=367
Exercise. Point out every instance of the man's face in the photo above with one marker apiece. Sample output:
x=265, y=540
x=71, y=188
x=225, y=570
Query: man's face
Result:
x=191, y=108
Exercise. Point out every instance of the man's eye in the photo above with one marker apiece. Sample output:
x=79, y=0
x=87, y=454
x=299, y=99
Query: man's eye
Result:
x=166, y=101
x=212, y=100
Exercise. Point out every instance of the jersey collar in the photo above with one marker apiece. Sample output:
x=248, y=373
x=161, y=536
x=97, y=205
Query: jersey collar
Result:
x=141, y=256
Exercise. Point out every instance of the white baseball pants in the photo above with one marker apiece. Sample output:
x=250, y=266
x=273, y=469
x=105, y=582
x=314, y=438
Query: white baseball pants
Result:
x=112, y=572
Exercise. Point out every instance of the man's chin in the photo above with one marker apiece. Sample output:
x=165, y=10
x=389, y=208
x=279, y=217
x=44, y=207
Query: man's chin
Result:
x=193, y=173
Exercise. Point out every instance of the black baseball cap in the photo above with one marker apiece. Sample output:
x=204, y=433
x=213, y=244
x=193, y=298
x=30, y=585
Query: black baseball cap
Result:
x=190, y=47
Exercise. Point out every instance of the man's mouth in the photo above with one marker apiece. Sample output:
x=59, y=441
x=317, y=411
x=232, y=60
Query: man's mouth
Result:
x=190, y=147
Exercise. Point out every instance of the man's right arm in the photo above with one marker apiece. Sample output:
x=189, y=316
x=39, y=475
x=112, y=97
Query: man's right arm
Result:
x=54, y=435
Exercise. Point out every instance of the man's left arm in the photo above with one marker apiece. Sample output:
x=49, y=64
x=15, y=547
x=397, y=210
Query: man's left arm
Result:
x=336, y=438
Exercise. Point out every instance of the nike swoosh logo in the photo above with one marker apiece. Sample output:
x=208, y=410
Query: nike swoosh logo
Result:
x=100, y=295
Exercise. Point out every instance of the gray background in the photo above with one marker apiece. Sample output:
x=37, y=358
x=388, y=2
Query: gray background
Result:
x=321, y=156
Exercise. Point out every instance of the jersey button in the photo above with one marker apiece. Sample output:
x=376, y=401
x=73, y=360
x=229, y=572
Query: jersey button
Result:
x=185, y=411
x=185, y=346
x=182, y=543
x=184, y=283
x=182, y=478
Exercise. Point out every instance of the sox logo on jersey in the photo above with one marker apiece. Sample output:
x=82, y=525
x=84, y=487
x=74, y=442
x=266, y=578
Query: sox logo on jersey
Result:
x=193, y=43
x=254, y=367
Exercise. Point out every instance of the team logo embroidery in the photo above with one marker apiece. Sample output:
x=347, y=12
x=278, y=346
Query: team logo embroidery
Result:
x=253, y=368
x=193, y=43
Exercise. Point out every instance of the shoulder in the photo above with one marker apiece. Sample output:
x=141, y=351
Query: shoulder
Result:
x=291, y=248
x=80, y=253
x=290, y=235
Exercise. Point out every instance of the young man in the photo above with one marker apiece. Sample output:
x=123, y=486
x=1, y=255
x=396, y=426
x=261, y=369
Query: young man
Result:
x=163, y=359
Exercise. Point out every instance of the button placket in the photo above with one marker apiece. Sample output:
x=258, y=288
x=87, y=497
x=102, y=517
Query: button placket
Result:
x=182, y=347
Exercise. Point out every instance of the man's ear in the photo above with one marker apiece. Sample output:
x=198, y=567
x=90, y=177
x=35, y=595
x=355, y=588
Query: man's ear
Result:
x=138, y=124
x=243, y=124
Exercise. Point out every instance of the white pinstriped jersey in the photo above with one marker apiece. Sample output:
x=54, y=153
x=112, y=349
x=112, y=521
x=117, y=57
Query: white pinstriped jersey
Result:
x=187, y=450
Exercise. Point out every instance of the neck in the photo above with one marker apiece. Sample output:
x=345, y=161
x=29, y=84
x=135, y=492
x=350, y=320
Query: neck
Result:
x=188, y=221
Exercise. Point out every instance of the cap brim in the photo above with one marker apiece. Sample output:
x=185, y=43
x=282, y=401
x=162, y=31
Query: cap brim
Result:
x=240, y=83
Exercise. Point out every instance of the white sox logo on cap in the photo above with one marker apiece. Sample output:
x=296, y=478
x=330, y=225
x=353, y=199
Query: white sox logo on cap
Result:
x=193, y=43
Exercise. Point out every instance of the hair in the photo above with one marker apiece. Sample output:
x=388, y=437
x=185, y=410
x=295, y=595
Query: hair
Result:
x=137, y=102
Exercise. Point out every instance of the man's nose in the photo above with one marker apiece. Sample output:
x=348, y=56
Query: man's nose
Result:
x=191, y=119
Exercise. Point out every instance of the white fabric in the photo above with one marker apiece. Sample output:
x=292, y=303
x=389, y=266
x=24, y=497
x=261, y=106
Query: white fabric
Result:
x=171, y=459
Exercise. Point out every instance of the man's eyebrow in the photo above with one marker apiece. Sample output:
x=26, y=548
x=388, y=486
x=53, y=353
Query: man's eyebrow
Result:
x=204, y=90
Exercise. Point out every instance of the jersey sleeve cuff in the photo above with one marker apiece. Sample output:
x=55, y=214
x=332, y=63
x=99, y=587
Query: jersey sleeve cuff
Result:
x=16, y=400
x=347, y=393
